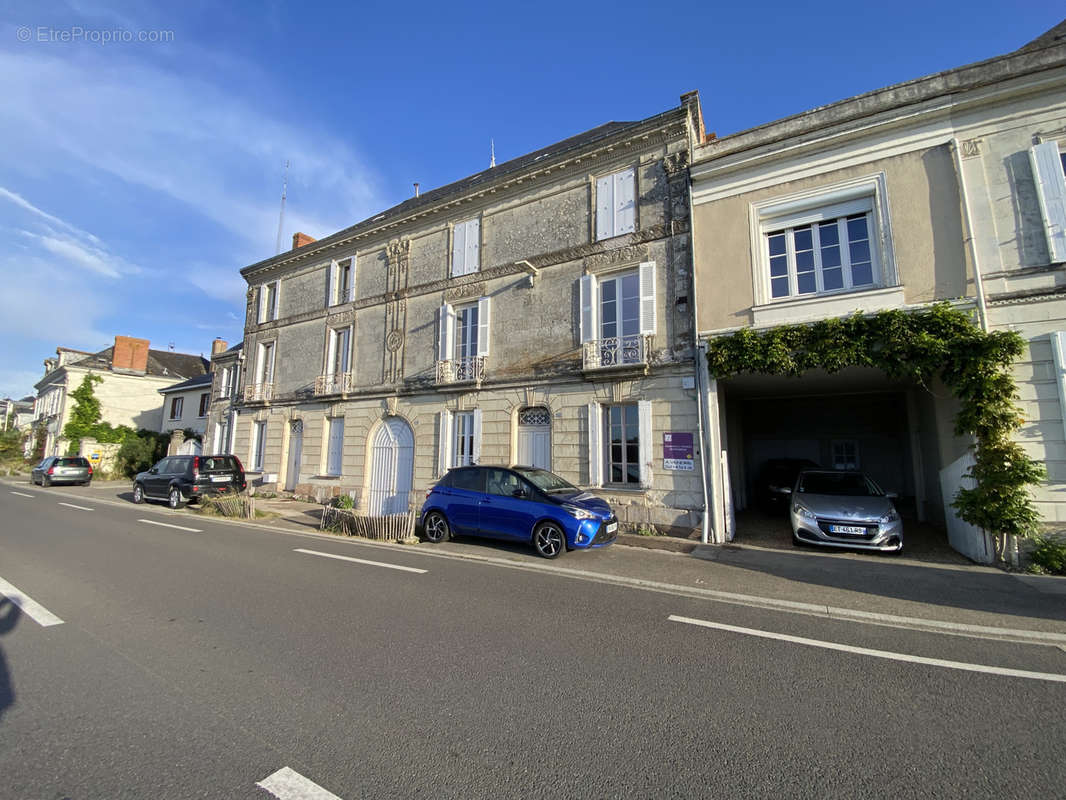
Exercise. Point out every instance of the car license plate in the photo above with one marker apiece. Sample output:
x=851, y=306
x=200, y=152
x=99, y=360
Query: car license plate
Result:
x=612, y=527
x=850, y=529
x=219, y=479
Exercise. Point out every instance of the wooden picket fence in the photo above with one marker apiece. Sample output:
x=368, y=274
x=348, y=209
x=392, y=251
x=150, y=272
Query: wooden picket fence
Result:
x=388, y=528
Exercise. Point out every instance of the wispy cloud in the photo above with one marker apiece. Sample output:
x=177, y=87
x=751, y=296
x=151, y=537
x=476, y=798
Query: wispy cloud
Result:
x=93, y=259
x=22, y=202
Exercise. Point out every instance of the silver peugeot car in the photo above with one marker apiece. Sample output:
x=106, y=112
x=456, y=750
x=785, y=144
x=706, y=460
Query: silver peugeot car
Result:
x=844, y=509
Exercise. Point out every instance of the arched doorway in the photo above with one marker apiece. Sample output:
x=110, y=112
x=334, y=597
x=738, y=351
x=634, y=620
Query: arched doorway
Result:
x=296, y=443
x=535, y=437
x=392, y=467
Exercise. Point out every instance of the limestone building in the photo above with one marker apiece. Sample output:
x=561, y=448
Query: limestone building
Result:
x=538, y=312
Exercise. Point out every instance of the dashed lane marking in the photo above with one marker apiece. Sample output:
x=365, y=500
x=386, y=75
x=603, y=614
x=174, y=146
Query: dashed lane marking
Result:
x=80, y=508
x=288, y=784
x=361, y=561
x=41, y=615
x=865, y=651
x=23, y=494
x=168, y=525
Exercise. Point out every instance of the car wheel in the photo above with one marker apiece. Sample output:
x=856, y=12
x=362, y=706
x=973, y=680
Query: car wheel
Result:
x=436, y=528
x=548, y=540
x=174, y=498
x=138, y=493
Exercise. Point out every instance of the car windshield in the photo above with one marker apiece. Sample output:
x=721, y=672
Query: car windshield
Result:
x=546, y=481
x=851, y=484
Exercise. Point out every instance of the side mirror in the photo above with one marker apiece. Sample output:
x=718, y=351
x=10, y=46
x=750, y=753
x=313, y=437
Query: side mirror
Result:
x=153, y=471
x=520, y=493
x=892, y=495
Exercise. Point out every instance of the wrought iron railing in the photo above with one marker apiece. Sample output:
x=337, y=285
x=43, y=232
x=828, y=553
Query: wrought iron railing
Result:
x=337, y=383
x=259, y=393
x=461, y=370
x=616, y=351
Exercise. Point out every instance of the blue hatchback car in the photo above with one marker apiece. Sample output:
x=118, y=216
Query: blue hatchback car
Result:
x=519, y=504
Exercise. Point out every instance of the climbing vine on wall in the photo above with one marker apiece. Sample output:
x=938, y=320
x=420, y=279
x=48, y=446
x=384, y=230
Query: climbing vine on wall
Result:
x=917, y=346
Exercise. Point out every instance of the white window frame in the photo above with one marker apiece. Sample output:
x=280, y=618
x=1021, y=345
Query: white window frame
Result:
x=334, y=337
x=334, y=449
x=177, y=407
x=465, y=247
x=269, y=314
x=856, y=462
x=459, y=438
x=466, y=335
x=258, y=444
x=1049, y=174
x=862, y=195
x=336, y=292
x=616, y=203
x=224, y=382
x=262, y=369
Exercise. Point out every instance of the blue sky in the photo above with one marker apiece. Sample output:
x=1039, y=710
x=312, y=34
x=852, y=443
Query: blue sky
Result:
x=138, y=178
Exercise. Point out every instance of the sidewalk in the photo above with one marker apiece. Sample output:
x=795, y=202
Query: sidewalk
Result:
x=839, y=585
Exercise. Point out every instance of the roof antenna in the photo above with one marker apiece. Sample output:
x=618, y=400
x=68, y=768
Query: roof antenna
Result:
x=281, y=217
x=492, y=150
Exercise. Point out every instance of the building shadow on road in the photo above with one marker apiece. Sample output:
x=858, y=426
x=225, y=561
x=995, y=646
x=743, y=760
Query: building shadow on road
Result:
x=975, y=590
x=9, y=617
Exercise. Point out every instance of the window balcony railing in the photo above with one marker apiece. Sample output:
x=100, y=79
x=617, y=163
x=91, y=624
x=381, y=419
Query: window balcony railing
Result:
x=461, y=370
x=337, y=383
x=259, y=393
x=617, y=351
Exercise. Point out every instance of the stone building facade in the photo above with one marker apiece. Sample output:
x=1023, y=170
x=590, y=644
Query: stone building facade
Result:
x=538, y=312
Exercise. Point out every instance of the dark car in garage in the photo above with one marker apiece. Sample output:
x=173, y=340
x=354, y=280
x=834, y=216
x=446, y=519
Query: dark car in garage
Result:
x=776, y=479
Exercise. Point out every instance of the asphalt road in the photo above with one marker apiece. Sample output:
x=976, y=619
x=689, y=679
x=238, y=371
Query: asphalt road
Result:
x=196, y=663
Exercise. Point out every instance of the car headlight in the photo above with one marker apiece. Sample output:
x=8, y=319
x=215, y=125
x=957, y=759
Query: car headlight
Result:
x=891, y=516
x=578, y=513
x=803, y=511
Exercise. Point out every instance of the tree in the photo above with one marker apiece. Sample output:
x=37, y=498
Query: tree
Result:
x=86, y=412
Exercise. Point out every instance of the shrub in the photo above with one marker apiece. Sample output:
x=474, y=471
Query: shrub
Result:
x=1049, y=555
x=141, y=451
x=343, y=501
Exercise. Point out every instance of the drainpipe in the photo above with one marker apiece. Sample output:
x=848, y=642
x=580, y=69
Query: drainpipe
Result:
x=701, y=396
x=982, y=311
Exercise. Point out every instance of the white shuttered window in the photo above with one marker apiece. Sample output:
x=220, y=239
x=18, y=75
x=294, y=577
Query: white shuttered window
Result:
x=1048, y=173
x=466, y=247
x=616, y=208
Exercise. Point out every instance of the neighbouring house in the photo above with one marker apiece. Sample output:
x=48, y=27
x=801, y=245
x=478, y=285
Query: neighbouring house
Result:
x=16, y=414
x=945, y=188
x=132, y=375
x=186, y=405
x=537, y=312
x=226, y=395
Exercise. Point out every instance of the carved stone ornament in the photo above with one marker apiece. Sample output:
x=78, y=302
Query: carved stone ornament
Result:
x=398, y=249
x=468, y=290
x=630, y=254
x=340, y=318
x=394, y=341
x=675, y=163
x=971, y=148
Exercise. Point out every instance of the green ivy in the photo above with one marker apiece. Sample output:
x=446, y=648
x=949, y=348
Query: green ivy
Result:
x=85, y=418
x=918, y=346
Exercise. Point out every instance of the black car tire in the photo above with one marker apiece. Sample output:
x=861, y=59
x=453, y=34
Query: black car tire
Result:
x=174, y=497
x=549, y=540
x=138, y=493
x=436, y=528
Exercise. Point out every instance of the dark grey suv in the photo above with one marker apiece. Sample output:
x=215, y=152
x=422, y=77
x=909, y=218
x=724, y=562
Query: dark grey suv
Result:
x=178, y=479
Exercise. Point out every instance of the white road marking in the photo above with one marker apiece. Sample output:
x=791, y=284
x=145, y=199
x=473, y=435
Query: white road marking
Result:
x=23, y=494
x=39, y=613
x=361, y=561
x=288, y=784
x=168, y=525
x=80, y=508
x=865, y=651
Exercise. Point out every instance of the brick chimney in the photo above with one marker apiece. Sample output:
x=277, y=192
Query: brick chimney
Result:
x=218, y=346
x=130, y=355
x=300, y=239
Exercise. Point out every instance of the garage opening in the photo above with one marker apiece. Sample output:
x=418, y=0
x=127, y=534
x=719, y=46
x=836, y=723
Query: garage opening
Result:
x=898, y=434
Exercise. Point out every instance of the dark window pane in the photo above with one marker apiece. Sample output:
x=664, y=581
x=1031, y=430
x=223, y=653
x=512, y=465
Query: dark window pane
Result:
x=862, y=275
x=779, y=287
x=832, y=279
x=616, y=473
x=831, y=256
x=633, y=453
x=632, y=418
x=778, y=266
x=803, y=238
x=828, y=233
x=633, y=474
x=860, y=252
x=777, y=244
x=805, y=283
x=616, y=452
x=804, y=260
x=857, y=227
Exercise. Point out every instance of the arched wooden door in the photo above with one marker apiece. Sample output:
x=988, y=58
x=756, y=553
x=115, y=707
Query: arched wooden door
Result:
x=392, y=468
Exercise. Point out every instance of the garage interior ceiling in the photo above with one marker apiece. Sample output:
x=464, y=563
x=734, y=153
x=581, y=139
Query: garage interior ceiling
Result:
x=815, y=382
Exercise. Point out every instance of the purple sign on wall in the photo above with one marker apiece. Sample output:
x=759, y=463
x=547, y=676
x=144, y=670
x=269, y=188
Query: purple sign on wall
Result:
x=678, y=451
